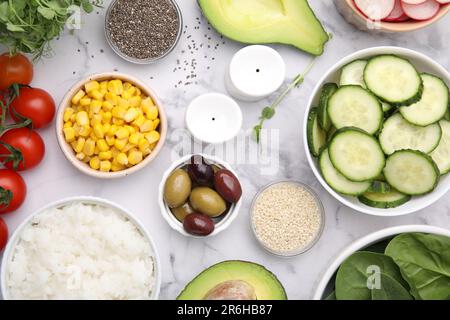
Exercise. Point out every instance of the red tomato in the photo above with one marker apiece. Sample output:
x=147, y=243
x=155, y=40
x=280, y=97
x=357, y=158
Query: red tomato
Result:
x=14, y=69
x=28, y=142
x=35, y=104
x=12, y=190
x=3, y=234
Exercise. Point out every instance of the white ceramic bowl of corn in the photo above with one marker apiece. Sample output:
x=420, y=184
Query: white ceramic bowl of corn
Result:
x=111, y=125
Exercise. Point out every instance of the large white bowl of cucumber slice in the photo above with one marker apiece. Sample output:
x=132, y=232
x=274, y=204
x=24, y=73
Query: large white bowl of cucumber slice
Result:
x=377, y=131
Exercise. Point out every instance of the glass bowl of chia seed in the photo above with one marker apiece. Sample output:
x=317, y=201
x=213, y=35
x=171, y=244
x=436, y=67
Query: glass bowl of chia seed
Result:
x=143, y=31
x=287, y=218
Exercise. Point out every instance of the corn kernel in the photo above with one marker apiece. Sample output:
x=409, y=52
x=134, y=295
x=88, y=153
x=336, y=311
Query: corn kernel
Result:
x=118, y=112
x=68, y=114
x=110, y=140
x=152, y=113
x=122, y=133
x=128, y=148
x=94, y=163
x=147, y=126
x=105, y=155
x=98, y=131
x=96, y=119
x=104, y=85
x=84, y=131
x=102, y=145
x=68, y=124
x=143, y=145
x=106, y=127
x=112, y=130
x=153, y=137
x=77, y=97
x=112, y=98
x=107, y=106
x=130, y=115
x=135, y=102
x=89, y=147
x=105, y=166
x=135, y=157
x=138, y=92
x=127, y=86
x=156, y=123
x=86, y=101
x=120, y=143
x=126, y=94
x=139, y=121
x=72, y=118
x=79, y=145
x=95, y=106
x=69, y=134
x=80, y=156
x=146, y=104
x=135, y=137
x=106, y=117
x=115, y=86
x=91, y=86
x=124, y=103
x=116, y=167
x=130, y=129
x=122, y=159
x=118, y=122
x=97, y=95
x=82, y=118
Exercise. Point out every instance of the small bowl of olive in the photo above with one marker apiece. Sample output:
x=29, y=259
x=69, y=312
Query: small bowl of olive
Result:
x=200, y=195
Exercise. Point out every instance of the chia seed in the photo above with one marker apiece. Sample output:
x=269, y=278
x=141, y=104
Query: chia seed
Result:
x=143, y=29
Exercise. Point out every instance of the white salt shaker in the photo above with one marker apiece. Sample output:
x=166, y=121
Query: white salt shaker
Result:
x=255, y=72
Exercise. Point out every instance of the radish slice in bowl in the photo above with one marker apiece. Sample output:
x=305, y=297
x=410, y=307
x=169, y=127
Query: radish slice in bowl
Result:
x=397, y=14
x=422, y=11
x=375, y=9
x=443, y=1
x=413, y=1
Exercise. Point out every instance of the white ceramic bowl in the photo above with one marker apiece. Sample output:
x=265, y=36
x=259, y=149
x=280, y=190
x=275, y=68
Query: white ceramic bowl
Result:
x=67, y=149
x=173, y=222
x=87, y=200
x=423, y=64
x=325, y=286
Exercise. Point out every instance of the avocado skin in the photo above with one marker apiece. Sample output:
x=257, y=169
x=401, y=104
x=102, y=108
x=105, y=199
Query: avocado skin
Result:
x=196, y=290
x=314, y=43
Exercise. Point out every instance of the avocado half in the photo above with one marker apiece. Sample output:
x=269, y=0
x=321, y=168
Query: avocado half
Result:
x=289, y=22
x=234, y=280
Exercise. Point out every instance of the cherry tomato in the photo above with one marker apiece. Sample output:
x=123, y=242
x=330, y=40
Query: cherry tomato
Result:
x=28, y=142
x=35, y=104
x=3, y=234
x=12, y=190
x=14, y=69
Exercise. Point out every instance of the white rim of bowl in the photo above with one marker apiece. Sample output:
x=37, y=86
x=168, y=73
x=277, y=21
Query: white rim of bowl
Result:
x=177, y=225
x=335, y=68
x=69, y=153
x=89, y=200
x=366, y=241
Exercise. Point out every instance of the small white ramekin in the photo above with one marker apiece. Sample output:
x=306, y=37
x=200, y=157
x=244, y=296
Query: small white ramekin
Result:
x=173, y=222
x=87, y=200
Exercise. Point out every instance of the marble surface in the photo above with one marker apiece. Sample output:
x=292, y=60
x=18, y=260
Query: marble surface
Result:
x=86, y=51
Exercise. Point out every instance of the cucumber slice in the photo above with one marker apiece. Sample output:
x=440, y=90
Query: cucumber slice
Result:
x=317, y=138
x=380, y=187
x=392, y=199
x=353, y=74
x=337, y=181
x=327, y=91
x=356, y=154
x=394, y=80
x=411, y=172
x=386, y=107
x=447, y=115
x=433, y=105
x=331, y=133
x=399, y=134
x=441, y=155
x=353, y=106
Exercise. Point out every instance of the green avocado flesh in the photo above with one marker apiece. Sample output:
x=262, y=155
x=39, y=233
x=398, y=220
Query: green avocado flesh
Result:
x=289, y=22
x=262, y=283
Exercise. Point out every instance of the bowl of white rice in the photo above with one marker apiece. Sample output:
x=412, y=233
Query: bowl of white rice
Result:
x=81, y=248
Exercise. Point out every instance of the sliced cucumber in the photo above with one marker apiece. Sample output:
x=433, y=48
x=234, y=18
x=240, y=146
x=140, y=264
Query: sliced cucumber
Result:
x=386, y=107
x=393, y=79
x=316, y=136
x=411, y=172
x=327, y=91
x=356, y=154
x=353, y=73
x=399, y=134
x=337, y=181
x=331, y=133
x=380, y=187
x=441, y=155
x=392, y=199
x=433, y=105
x=447, y=115
x=353, y=106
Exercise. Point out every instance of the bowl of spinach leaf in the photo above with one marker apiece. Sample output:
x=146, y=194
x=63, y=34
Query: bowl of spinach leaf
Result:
x=398, y=263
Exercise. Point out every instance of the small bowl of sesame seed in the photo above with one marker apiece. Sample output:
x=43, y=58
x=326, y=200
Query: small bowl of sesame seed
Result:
x=143, y=31
x=287, y=218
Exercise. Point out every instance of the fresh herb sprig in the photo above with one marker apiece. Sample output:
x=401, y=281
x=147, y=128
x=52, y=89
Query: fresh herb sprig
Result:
x=270, y=111
x=29, y=25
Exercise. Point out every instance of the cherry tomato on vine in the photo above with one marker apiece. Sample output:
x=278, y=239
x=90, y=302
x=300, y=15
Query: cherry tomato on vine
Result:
x=35, y=104
x=3, y=234
x=12, y=190
x=30, y=145
x=14, y=69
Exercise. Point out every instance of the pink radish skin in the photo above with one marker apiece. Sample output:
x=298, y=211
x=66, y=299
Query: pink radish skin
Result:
x=423, y=11
x=375, y=9
x=414, y=1
x=443, y=1
x=397, y=13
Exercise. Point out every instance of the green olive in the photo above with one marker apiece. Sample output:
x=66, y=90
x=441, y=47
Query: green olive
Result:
x=177, y=188
x=207, y=201
x=181, y=212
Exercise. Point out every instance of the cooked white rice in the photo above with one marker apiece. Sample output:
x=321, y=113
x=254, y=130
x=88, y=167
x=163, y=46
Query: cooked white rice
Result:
x=81, y=251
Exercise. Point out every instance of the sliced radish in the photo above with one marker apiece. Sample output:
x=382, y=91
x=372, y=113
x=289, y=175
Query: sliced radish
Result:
x=397, y=13
x=443, y=1
x=414, y=1
x=375, y=9
x=423, y=11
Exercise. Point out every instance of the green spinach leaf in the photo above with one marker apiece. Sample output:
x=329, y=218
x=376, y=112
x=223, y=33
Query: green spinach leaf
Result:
x=390, y=289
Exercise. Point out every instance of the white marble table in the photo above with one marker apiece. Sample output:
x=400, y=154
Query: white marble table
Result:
x=86, y=52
